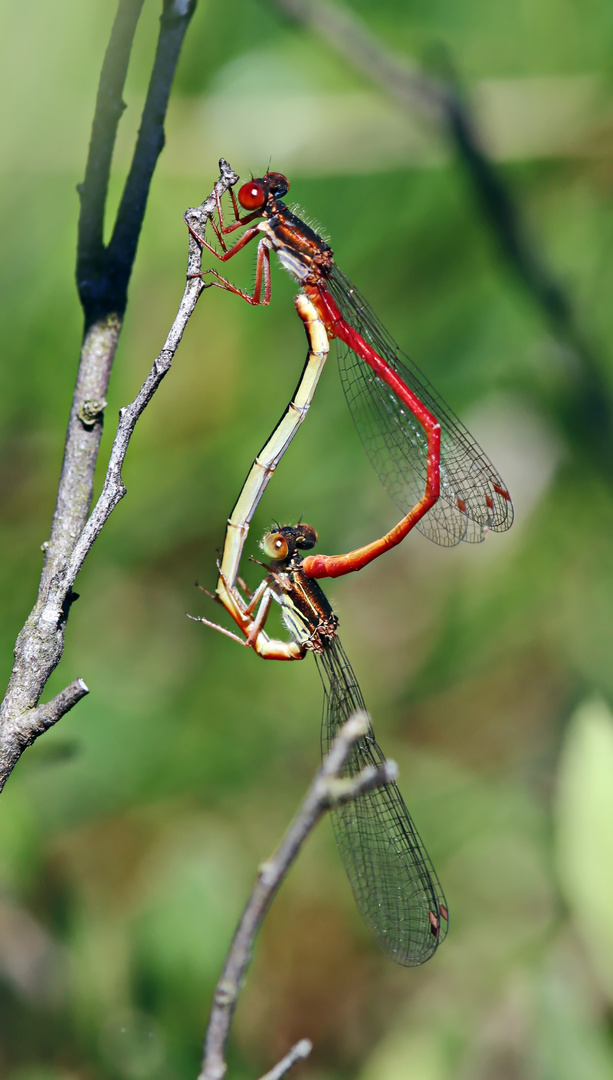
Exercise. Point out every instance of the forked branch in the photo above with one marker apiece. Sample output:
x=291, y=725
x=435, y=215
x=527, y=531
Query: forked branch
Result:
x=103, y=274
x=328, y=789
x=40, y=643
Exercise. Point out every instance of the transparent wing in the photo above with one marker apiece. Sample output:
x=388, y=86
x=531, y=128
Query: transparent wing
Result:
x=473, y=496
x=393, y=881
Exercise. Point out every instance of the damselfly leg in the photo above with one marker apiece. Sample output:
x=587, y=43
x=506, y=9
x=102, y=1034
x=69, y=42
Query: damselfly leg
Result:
x=271, y=453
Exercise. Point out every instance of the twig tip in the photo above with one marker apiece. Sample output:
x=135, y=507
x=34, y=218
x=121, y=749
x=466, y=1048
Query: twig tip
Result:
x=356, y=725
x=392, y=771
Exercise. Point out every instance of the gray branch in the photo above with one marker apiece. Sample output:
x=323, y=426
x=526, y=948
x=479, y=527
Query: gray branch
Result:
x=102, y=272
x=328, y=789
x=40, y=644
x=113, y=490
x=29, y=725
x=299, y=1052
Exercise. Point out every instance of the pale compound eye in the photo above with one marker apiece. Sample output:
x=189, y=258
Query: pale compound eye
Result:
x=275, y=546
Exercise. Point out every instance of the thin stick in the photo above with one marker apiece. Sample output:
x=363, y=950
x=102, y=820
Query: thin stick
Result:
x=297, y=1053
x=326, y=790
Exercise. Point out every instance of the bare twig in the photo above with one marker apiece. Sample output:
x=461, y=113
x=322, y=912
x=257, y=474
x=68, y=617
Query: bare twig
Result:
x=40, y=644
x=29, y=725
x=297, y=1053
x=114, y=490
x=440, y=102
x=326, y=790
x=103, y=275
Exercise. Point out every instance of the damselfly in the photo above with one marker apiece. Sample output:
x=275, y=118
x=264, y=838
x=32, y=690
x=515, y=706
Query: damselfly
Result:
x=390, y=872
x=434, y=470
x=271, y=453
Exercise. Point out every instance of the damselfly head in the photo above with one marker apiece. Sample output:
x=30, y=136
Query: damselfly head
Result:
x=255, y=193
x=287, y=540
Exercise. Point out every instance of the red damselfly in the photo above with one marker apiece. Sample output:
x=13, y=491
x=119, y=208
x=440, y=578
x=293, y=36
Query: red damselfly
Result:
x=434, y=470
x=390, y=872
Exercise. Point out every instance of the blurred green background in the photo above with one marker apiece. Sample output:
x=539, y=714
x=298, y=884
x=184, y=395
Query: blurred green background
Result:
x=130, y=834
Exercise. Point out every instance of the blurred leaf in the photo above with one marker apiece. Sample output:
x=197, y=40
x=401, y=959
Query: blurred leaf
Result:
x=569, y=1039
x=415, y=1054
x=584, y=831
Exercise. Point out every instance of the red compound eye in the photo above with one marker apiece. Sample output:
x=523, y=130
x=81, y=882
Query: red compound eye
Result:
x=252, y=195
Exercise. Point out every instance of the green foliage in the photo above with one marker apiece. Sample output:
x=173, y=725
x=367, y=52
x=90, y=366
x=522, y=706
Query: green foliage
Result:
x=130, y=833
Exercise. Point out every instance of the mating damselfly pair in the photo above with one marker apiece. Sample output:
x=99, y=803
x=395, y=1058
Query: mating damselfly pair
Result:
x=439, y=478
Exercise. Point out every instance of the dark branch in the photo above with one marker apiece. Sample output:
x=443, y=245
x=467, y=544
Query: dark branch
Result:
x=588, y=408
x=109, y=108
x=343, y=31
x=149, y=144
x=103, y=273
x=589, y=415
